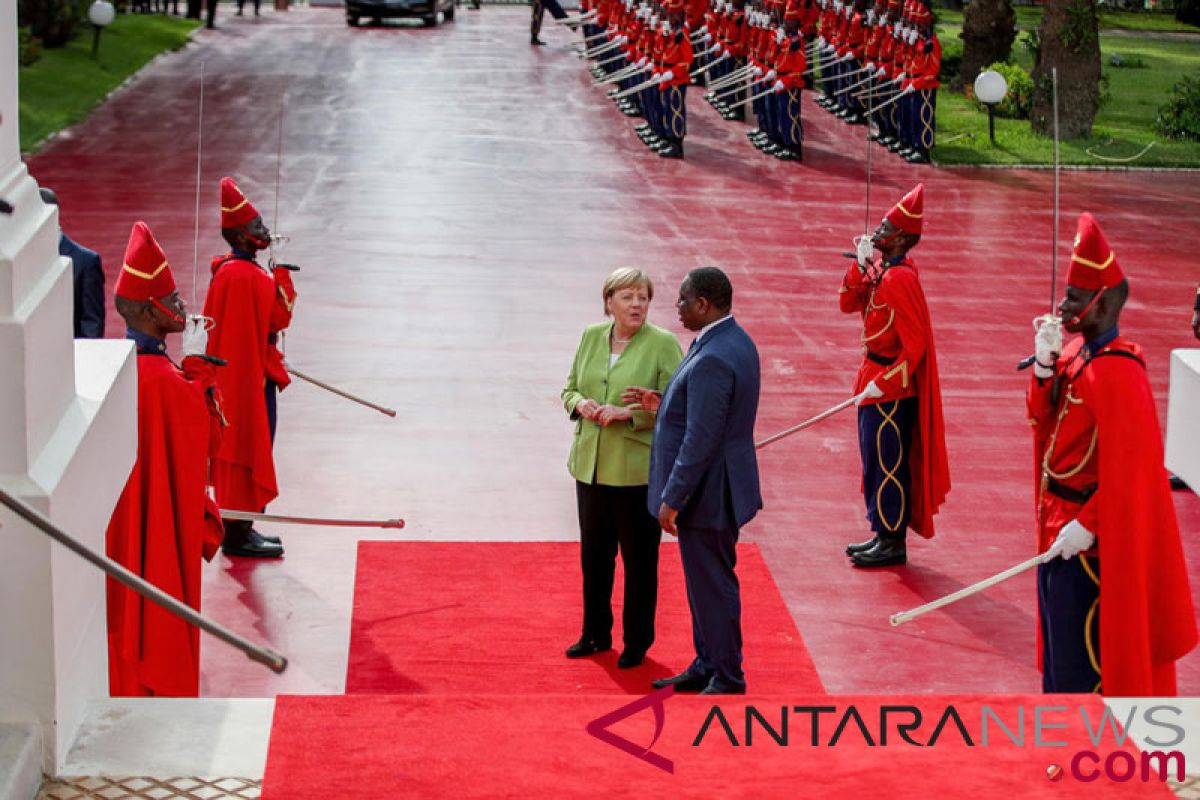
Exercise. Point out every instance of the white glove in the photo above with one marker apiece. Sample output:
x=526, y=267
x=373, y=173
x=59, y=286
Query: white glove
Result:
x=195, y=337
x=779, y=35
x=756, y=71
x=707, y=38
x=908, y=89
x=871, y=17
x=912, y=35
x=1072, y=540
x=846, y=57
x=666, y=76
x=770, y=75
x=869, y=393
x=869, y=66
x=864, y=249
x=644, y=61
x=778, y=87
x=900, y=77
x=880, y=73
x=1047, y=345
x=821, y=42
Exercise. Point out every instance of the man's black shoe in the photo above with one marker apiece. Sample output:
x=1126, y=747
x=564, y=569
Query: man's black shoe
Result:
x=888, y=553
x=248, y=548
x=714, y=688
x=917, y=157
x=787, y=154
x=630, y=658
x=684, y=682
x=862, y=547
x=674, y=151
x=586, y=647
x=534, y=40
x=1178, y=484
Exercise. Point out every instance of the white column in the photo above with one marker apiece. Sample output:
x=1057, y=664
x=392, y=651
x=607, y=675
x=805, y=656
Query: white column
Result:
x=1183, y=417
x=68, y=433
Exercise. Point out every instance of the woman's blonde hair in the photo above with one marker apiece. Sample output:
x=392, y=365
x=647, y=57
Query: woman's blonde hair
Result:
x=624, y=278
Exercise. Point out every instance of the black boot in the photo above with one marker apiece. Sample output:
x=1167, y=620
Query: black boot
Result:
x=887, y=553
x=241, y=540
x=862, y=547
x=674, y=149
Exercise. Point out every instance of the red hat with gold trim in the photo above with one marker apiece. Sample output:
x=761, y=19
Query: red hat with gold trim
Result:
x=1093, y=263
x=791, y=12
x=236, y=210
x=145, y=274
x=907, y=214
x=921, y=14
x=893, y=8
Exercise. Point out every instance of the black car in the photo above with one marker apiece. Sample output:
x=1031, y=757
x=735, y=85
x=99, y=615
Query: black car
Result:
x=377, y=10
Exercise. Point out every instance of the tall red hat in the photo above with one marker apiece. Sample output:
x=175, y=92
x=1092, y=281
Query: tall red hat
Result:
x=893, y=8
x=236, y=210
x=907, y=214
x=145, y=274
x=1093, y=263
x=791, y=12
x=921, y=14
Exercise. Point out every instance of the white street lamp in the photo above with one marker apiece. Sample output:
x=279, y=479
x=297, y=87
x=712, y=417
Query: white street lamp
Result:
x=101, y=13
x=990, y=88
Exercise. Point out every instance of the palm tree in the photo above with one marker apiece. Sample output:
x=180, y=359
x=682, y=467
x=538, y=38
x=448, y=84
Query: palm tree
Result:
x=1069, y=41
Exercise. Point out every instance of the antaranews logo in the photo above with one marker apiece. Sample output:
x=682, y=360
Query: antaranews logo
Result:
x=916, y=726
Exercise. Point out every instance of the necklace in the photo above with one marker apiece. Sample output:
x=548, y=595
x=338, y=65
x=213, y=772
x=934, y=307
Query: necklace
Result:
x=617, y=340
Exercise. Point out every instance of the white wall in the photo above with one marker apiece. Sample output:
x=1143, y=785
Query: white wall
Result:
x=68, y=433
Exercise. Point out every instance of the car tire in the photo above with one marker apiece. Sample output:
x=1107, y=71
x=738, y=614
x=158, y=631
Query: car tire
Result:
x=450, y=13
x=352, y=20
x=430, y=20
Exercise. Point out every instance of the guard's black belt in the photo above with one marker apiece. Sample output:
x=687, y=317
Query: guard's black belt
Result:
x=883, y=361
x=1080, y=496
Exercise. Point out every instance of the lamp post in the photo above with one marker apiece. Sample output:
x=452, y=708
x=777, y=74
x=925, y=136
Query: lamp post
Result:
x=101, y=14
x=990, y=88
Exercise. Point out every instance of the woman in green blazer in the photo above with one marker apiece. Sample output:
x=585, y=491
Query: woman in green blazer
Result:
x=610, y=460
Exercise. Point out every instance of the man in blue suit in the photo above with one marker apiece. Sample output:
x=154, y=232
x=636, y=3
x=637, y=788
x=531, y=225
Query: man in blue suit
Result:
x=88, y=278
x=704, y=475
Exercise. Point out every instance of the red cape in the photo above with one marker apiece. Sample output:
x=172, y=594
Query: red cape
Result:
x=163, y=524
x=1146, y=616
x=241, y=299
x=928, y=463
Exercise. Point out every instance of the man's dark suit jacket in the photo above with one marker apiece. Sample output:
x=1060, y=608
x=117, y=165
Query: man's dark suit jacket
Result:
x=89, y=288
x=702, y=460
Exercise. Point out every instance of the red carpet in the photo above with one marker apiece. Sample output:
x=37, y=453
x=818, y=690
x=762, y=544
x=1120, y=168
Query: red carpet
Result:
x=496, y=617
x=455, y=199
x=538, y=746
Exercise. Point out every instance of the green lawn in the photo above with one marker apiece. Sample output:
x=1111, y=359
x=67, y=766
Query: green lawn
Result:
x=66, y=83
x=1031, y=17
x=1122, y=128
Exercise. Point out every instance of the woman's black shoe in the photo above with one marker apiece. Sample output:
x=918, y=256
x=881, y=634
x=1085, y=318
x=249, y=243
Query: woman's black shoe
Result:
x=586, y=647
x=630, y=658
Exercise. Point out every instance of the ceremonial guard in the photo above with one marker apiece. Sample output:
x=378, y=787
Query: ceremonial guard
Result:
x=780, y=132
x=850, y=51
x=733, y=43
x=250, y=306
x=905, y=476
x=164, y=521
x=917, y=109
x=674, y=67
x=1102, y=497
